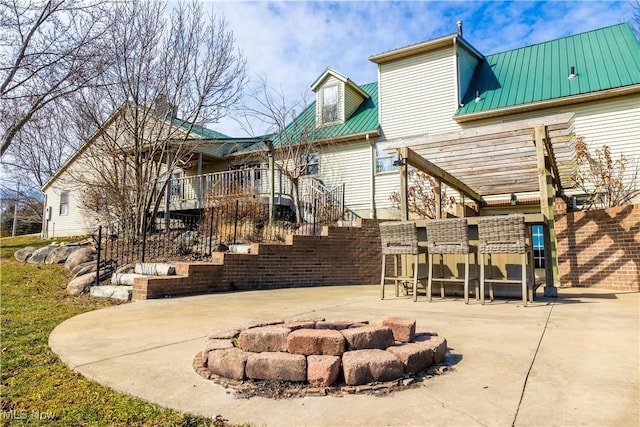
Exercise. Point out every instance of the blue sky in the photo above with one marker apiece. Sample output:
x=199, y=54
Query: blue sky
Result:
x=291, y=43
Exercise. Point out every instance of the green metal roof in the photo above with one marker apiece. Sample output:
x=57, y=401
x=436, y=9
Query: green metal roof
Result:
x=363, y=120
x=606, y=58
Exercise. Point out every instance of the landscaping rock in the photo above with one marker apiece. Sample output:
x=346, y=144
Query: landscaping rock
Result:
x=316, y=341
x=125, y=278
x=309, y=324
x=338, y=325
x=121, y=293
x=80, y=256
x=60, y=254
x=228, y=363
x=155, y=269
x=84, y=268
x=215, y=344
x=225, y=333
x=437, y=344
x=404, y=330
x=368, y=337
x=39, y=256
x=322, y=371
x=23, y=254
x=276, y=366
x=414, y=357
x=265, y=338
x=365, y=366
x=81, y=284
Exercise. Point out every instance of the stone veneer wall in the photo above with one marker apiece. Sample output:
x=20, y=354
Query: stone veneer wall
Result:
x=340, y=256
x=600, y=248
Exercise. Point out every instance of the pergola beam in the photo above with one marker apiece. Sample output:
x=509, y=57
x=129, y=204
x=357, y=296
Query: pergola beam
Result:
x=424, y=165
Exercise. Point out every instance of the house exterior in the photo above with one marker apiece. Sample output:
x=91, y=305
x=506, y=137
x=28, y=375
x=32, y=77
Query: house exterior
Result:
x=439, y=86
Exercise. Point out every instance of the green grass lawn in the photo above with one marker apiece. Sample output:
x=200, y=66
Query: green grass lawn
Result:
x=36, y=387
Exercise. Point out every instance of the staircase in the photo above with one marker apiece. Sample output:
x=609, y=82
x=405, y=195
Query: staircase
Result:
x=321, y=204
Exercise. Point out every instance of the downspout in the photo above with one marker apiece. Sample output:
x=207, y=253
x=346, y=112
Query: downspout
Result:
x=372, y=214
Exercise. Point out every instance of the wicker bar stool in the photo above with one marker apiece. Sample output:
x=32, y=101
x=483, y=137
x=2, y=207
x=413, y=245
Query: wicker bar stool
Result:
x=400, y=238
x=446, y=237
x=505, y=235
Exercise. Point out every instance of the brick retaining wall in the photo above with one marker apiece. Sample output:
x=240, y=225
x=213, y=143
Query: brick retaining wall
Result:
x=340, y=256
x=600, y=248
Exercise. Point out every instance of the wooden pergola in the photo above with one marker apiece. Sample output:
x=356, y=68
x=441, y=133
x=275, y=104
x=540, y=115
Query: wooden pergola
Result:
x=532, y=155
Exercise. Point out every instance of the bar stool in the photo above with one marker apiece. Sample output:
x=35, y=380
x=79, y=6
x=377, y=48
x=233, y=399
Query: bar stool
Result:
x=505, y=235
x=446, y=237
x=400, y=238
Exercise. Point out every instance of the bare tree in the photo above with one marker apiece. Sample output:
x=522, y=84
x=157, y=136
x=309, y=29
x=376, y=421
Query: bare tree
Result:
x=421, y=195
x=291, y=138
x=606, y=181
x=167, y=77
x=48, y=50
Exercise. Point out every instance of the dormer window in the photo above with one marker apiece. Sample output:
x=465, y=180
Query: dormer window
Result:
x=330, y=104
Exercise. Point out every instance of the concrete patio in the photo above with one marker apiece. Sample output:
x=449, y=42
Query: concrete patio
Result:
x=566, y=361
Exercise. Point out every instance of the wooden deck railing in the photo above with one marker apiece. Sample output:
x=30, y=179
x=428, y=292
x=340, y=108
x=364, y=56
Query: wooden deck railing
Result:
x=192, y=192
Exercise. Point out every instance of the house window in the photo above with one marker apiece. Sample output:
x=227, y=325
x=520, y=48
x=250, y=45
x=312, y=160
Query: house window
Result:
x=384, y=161
x=310, y=164
x=64, y=203
x=537, y=234
x=330, y=104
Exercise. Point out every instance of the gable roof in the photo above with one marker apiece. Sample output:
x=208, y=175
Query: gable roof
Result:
x=347, y=81
x=605, y=59
x=363, y=121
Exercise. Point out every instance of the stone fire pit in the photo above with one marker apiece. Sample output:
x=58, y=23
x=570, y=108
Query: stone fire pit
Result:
x=320, y=353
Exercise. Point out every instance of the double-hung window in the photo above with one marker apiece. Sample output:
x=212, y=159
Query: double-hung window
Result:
x=330, y=104
x=64, y=202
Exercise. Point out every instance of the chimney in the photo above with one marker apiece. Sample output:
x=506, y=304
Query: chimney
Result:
x=459, y=23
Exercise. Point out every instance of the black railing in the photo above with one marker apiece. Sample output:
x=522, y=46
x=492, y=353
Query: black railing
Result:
x=193, y=237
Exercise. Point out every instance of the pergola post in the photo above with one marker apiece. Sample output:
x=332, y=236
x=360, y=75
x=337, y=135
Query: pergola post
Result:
x=404, y=183
x=547, y=196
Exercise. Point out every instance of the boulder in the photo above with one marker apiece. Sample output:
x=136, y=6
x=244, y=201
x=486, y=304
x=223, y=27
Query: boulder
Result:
x=120, y=293
x=81, y=284
x=368, y=337
x=365, y=366
x=40, y=255
x=322, y=371
x=80, y=256
x=404, y=330
x=23, y=254
x=60, y=254
x=228, y=363
x=276, y=366
x=316, y=341
x=84, y=268
x=265, y=338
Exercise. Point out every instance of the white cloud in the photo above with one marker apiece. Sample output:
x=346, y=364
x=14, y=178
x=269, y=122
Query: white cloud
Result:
x=291, y=43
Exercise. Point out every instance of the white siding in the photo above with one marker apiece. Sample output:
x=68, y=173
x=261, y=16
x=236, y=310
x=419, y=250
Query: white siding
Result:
x=76, y=222
x=352, y=101
x=418, y=94
x=349, y=164
x=467, y=64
